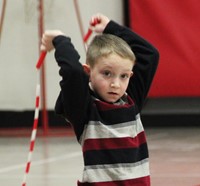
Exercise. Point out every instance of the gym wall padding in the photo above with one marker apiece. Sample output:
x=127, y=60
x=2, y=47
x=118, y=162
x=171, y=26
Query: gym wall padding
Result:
x=173, y=27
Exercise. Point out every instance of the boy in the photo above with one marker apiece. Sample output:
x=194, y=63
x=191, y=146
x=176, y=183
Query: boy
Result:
x=103, y=101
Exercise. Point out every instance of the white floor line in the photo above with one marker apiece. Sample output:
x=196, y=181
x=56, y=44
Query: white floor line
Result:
x=41, y=162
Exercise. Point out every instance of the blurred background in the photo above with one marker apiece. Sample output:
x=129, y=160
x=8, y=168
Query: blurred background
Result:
x=174, y=97
x=22, y=24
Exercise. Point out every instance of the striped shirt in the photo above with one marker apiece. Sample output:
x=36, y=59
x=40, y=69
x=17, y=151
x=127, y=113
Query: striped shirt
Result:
x=114, y=150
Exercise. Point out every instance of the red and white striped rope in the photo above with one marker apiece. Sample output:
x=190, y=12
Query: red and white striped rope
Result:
x=41, y=59
x=36, y=117
x=89, y=32
x=37, y=108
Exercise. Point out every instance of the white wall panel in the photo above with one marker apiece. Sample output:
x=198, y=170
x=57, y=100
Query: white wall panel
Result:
x=19, y=45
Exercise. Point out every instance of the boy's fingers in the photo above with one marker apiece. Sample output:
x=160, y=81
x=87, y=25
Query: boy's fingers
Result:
x=43, y=48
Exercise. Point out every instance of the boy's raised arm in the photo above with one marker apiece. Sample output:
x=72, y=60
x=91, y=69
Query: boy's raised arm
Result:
x=147, y=57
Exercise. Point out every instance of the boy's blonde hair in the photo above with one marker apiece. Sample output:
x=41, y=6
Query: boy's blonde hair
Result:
x=106, y=44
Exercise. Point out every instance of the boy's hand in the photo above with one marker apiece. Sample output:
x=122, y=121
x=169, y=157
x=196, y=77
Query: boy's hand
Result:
x=47, y=39
x=98, y=23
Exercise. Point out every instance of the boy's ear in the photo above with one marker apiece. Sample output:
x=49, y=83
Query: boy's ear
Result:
x=86, y=68
x=132, y=74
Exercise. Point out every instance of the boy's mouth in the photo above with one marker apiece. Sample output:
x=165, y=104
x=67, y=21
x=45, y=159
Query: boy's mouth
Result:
x=112, y=93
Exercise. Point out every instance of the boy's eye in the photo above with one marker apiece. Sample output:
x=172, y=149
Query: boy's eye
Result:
x=124, y=76
x=107, y=73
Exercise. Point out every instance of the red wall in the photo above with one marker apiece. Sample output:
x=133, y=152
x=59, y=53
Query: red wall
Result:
x=173, y=26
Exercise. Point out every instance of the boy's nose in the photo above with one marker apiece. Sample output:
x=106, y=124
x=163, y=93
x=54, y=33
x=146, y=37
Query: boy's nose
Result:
x=115, y=84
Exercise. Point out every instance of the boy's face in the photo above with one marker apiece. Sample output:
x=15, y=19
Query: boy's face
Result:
x=110, y=76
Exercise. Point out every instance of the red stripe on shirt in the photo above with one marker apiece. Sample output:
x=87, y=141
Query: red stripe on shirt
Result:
x=103, y=106
x=114, y=143
x=143, y=181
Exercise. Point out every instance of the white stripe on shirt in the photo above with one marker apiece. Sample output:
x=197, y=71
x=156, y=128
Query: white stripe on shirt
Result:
x=96, y=129
x=103, y=173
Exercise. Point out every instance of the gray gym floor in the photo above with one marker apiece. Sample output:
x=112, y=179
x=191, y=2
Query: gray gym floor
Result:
x=57, y=161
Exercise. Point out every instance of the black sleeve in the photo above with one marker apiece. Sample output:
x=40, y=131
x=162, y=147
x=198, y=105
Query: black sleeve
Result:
x=74, y=97
x=147, y=58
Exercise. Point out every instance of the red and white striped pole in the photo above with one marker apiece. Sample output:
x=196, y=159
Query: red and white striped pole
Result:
x=36, y=117
x=89, y=32
x=37, y=105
